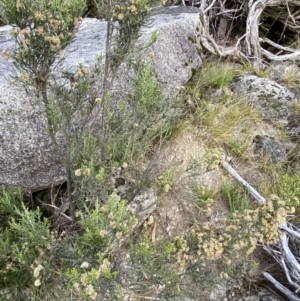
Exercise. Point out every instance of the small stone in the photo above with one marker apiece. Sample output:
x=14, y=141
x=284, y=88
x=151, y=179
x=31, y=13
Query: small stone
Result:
x=268, y=147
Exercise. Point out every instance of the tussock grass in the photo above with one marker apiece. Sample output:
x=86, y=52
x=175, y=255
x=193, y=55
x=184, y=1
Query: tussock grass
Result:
x=214, y=75
x=229, y=123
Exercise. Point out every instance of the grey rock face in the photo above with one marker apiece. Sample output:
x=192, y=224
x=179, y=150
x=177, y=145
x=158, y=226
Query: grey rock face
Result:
x=293, y=126
x=268, y=147
x=26, y=156
x=6, y=42
x=285, y=72
x=174, y=55
x=271, y=99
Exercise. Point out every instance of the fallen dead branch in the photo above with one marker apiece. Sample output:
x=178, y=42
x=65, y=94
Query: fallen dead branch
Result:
x=281, y=253
x=281, y=288
x=258, y=197
x=216, y=36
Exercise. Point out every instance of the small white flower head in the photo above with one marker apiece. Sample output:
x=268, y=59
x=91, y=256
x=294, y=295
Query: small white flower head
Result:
x=89, y=289
x=91, y=292
x=37, y=270
x=104, y=209
x=93, y=295
x=124, y=165
x=18, y=5
x=189, y=102
x=132, y=8
x=37, y=282
x=84, y=265
x=78, y=172
x=224, y=275
x=167, y=187
x=84, y=279
x=87, y=171
x=8, y=266
x=113, y=225
x=150, y=220
x=131, y=209
x=103, y=233
x=5, y=56
x=76, y=286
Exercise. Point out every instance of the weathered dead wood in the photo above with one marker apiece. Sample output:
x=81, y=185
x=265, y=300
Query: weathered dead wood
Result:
x=258, y=197
x=282, y=255
x=289, y=295
x=291, y=56
x=249, y=45
x=289, y=230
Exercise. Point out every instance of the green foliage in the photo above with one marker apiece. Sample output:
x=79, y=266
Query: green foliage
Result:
x=90, y=264
x=72, y=104
x=265, y=73
x=21, y=13
x=119, y=134
x=247, y=66
x=22, y=237
x=146, y=118
x=296, y=108
x=28, y=225
x=225, y=244
x=91, y=178
x=9, y=201
x=131, y=16
x=228, y=122
x=203, y=198
x=167, y=178
x=287, y=187
x=290, y=77
x=103, y=224
x=155, y=266
x=88, y=280
x=237, y=146
x=214, y=75
x=33, y=260
x=42, y=29
x=39, y=264
x=237, y=198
